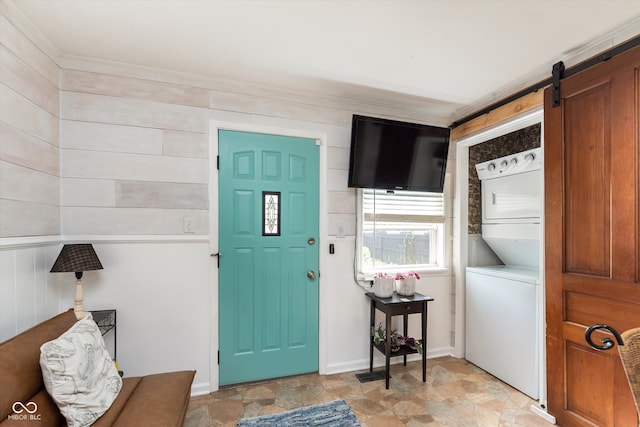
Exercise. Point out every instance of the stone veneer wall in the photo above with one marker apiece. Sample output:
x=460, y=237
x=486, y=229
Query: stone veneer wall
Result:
x=514, y=142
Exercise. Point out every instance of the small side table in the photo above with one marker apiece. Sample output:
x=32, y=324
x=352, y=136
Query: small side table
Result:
x=106, y=321
x=394, y=306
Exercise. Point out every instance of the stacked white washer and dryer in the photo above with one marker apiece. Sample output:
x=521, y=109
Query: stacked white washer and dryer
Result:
x=503, y=301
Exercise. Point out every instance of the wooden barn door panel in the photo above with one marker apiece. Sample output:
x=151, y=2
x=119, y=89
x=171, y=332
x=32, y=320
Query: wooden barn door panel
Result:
x=592, y=198
x=587, y=183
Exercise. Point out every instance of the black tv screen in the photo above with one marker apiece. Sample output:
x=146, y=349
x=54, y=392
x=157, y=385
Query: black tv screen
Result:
x=393, y=155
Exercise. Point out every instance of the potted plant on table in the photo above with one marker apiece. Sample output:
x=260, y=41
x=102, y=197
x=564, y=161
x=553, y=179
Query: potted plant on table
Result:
x=379, y=335
x=406, y=283
x=383, y=285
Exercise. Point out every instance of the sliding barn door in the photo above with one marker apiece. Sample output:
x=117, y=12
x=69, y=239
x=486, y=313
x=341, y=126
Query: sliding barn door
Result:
x=592, y=239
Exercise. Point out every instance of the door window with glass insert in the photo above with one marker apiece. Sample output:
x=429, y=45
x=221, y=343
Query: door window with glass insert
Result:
x=400, y=230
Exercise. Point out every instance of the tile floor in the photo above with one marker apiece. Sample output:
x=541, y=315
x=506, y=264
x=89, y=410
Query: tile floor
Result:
x=456, y=394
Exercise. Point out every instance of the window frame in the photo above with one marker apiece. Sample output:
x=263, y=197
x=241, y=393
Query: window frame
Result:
x=442, y=243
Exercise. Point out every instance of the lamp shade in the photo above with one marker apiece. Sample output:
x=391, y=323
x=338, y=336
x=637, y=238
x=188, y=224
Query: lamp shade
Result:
x=76, y=258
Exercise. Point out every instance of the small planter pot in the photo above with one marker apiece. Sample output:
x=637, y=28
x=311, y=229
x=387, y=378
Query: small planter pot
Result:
x=383, y=288
x=406, y=286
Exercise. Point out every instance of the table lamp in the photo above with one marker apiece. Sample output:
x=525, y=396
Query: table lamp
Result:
x=77, y=258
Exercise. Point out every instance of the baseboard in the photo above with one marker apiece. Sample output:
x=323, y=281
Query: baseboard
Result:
x=439, y=352
x=200, y=389
x=543, y=414
x=378, y=361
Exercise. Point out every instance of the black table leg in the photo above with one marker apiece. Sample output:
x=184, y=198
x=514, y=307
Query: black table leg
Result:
x=372, y=321
x=424, y=342
x=405, y=320
x=387, y=349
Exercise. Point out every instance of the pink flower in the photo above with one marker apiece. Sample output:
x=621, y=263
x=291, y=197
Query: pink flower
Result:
x=383, y=275
x=400, y=276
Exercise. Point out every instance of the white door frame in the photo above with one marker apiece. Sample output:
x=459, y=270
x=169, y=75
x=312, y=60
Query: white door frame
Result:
x=321, y=140
x=461, y=225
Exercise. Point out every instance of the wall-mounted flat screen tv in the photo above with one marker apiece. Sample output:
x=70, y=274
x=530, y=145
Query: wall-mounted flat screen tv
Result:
x=393, y=155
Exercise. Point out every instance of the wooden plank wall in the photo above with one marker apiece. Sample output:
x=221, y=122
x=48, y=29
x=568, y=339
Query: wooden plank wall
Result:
x=135, y=145
x=29, y=131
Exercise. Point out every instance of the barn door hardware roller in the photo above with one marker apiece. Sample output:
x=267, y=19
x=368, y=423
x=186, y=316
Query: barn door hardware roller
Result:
x=557, y=73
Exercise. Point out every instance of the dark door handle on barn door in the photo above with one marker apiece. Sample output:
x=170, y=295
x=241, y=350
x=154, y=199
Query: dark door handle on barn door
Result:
x=607, y=343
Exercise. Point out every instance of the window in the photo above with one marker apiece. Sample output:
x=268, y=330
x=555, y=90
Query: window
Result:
x=401, y=230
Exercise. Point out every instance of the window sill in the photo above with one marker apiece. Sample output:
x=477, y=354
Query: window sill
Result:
x=429, y=272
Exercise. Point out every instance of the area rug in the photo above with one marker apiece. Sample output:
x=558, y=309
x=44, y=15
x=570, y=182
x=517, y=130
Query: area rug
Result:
x=334, y=414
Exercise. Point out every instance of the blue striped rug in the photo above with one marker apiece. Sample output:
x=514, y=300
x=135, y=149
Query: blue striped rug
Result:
x=334, y=414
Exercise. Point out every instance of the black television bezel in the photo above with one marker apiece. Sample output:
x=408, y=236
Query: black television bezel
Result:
x=388, y=122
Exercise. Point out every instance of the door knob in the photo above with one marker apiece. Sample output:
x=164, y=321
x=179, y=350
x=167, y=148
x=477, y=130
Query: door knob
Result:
x=607, y=343
x=311, y=274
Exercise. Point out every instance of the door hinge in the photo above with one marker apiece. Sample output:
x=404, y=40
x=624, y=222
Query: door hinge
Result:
x=217, y=255
x=218, y=357
x=218, y=162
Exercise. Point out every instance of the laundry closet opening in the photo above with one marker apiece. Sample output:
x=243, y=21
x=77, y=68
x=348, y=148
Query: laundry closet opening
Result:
x=503, y=277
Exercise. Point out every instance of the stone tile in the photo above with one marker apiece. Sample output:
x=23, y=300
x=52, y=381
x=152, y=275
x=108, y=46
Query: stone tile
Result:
x=197, y=417
x=226, y=410
x=408, y=408
x=384, y=421
x=493, y=405
x=288, y=397
x=456, y=394
x=367, y=406
x=420, y=420
x=258, y=393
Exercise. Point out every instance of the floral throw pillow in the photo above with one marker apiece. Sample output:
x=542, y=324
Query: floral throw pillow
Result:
x=79, y=374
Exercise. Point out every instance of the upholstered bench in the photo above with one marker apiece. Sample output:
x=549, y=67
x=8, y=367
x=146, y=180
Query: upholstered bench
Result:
x=154, y=400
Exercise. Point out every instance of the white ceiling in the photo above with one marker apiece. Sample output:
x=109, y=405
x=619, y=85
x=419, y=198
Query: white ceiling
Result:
x=443, y=55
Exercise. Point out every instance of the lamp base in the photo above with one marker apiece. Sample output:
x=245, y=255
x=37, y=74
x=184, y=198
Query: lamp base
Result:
x=80, y=314
x=77, y=309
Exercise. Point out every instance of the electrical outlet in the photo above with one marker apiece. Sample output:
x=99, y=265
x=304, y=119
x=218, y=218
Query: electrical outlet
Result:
x=187, y=225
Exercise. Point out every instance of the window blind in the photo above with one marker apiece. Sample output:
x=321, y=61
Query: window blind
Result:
x=402, y=206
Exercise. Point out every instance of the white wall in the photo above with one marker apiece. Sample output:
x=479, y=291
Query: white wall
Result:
x=134, y=161
x=28, y=292
x=160, y=289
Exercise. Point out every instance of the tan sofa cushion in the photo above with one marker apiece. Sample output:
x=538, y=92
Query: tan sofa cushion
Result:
x=20, y=362
x=158, y=400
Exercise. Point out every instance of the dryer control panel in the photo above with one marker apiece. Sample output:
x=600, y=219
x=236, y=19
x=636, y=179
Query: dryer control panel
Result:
x=512, y=164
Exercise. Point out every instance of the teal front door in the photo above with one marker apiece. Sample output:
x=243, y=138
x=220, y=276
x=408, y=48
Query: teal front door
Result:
x=268, y=276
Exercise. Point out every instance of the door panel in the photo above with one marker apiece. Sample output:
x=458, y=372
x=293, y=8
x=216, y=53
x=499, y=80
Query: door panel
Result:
x=592, y=189
x=587, y=183
x=268, y=309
